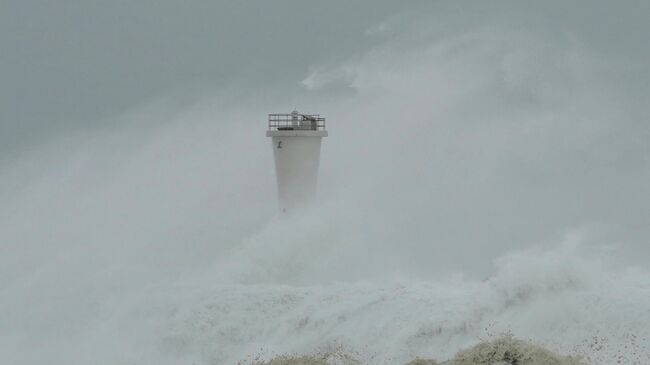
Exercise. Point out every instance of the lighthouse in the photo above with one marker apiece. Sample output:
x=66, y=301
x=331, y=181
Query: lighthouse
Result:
x=296, y=140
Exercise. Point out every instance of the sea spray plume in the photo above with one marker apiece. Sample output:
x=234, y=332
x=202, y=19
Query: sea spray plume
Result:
x=525, y=275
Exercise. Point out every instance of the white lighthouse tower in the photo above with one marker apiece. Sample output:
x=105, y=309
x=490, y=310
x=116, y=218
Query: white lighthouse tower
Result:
x=296, y=140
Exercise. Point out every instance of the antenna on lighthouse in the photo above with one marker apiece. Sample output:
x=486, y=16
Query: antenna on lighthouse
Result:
x=296, y=140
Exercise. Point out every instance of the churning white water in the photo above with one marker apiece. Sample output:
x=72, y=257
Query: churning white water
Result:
x=554, y=298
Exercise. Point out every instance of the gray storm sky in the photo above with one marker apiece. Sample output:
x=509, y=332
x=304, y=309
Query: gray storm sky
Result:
x=71, y=64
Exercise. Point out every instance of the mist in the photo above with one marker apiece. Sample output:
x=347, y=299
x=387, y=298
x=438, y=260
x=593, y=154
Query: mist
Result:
x=486, y=172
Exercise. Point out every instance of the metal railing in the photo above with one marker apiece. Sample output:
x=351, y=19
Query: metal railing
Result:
x=296, y=121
